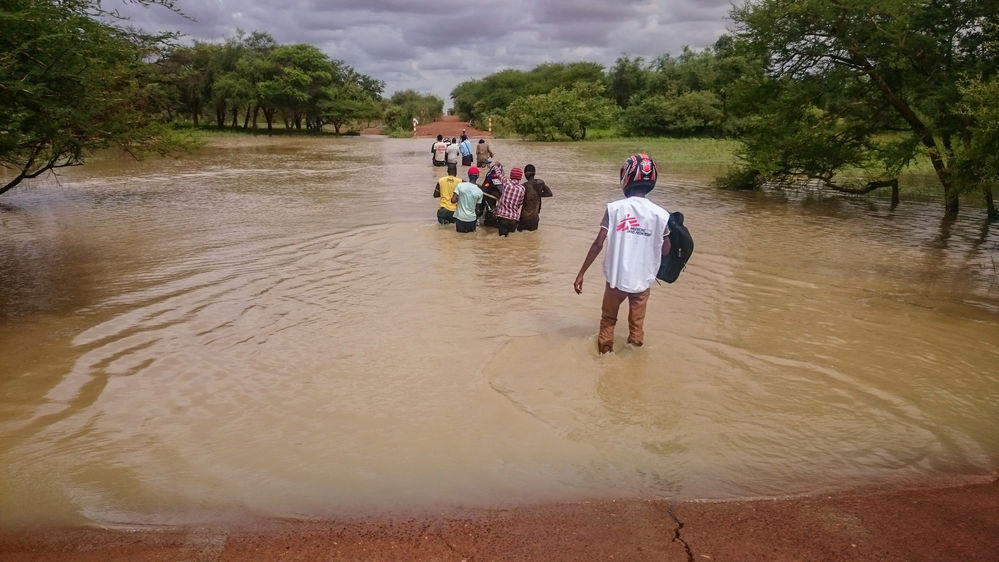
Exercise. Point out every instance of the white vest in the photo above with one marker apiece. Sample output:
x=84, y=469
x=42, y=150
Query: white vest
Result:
x=635, y=231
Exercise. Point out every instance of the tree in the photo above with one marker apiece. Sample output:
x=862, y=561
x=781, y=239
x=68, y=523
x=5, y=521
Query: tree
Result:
x=304, y=71
x=626, y=78
x=406, y=105
x=562, y=111
x=691, y=113
x=479, y=99
x=876, y=84
x=355, y=100
x=71, y=84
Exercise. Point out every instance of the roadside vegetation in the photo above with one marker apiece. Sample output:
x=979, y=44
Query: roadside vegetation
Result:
x=848, y=95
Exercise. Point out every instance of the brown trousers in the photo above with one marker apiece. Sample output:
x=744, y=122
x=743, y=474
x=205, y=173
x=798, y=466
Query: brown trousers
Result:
x=608, y=319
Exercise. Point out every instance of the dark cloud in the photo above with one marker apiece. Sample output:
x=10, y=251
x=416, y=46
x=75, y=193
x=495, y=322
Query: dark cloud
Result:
x=431, y=47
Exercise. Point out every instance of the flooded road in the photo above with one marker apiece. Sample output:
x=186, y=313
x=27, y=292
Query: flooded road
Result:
x=278, y=327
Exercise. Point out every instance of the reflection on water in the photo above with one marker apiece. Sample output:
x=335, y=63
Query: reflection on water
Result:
x=279, y=327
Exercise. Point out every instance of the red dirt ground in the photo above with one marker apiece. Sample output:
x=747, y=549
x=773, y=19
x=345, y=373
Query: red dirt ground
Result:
x=449, y=126
x=909, y=525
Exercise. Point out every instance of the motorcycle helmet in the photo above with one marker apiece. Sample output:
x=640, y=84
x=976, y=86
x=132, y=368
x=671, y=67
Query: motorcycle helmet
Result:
x=638, y=172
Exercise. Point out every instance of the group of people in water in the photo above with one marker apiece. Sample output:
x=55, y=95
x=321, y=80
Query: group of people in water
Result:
x=501, y=200
x=446, y=151
x=634, y=229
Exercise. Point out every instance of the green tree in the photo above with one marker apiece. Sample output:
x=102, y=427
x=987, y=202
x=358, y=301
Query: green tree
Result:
x=256, y=67
x=406, y=105
x=691, y=113
x=477, y=100
x=356, y=98
x=71, y=83
x=568, y=112
x=304, y=71
x=979, y=164
x=626, y=78
x=858, y=69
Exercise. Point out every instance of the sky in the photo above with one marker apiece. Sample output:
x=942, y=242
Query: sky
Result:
x=431, y=46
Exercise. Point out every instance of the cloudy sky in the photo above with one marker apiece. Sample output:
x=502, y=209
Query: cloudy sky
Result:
x=433, y=45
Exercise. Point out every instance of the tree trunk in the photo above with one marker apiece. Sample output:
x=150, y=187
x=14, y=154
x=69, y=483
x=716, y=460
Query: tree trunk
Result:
x=952, y=203
x=990, y=203
x=269, y=117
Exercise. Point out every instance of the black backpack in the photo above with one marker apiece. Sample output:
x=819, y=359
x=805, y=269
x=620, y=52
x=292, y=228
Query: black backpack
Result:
x=682, y=246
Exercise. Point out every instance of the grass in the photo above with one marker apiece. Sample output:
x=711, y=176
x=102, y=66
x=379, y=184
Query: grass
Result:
x=695, y=156
x=212, y=131
x=664, y=150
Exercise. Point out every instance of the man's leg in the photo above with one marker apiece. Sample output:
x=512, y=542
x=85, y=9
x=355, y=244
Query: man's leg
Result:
x=444, y=216
x=506, y=226
x=637, y=303
x=608, y=317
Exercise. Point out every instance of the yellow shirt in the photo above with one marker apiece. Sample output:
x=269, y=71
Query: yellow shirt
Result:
x=447, y=185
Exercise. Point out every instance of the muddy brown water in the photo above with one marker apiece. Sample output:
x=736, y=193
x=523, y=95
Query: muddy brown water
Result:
x=278, y=327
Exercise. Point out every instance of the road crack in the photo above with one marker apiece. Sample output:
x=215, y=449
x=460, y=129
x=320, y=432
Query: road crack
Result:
x=676, y=531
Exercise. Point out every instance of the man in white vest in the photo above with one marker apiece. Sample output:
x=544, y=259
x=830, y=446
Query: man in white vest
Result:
x=636, y=234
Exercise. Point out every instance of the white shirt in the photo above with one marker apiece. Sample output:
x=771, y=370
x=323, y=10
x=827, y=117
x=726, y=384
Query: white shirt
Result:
x=635, y=231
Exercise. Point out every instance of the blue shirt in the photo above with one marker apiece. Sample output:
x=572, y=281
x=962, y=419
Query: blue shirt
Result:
x=469, y=195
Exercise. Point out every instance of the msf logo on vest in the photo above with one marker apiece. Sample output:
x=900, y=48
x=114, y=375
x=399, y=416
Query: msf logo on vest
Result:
x=630, y=225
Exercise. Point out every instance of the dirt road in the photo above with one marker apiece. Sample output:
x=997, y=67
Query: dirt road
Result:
x=448, y=126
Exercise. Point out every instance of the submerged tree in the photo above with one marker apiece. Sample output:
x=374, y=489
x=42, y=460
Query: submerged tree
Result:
x=71, y=83
x=869, y=85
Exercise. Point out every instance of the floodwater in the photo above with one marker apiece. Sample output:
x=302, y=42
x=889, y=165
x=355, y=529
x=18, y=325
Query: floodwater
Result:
x=278, y=327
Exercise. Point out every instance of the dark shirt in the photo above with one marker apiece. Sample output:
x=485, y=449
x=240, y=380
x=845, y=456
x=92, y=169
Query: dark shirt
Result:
x=534, y=190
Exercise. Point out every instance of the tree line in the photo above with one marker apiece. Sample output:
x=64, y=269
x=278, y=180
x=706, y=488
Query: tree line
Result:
x=845, y=93
x=251, y=76
x=678, y=96
x=75, y=78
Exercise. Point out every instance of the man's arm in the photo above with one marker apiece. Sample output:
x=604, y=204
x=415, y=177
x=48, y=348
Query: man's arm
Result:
x=543, y=189
x=454, y=197
x=437, y=189
x=595, y=247
x=667, y=245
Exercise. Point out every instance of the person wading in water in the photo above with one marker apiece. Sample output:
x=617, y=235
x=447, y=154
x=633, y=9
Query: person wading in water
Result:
x=636, y=234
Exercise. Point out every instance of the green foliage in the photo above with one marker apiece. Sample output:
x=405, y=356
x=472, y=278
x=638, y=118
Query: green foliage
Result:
x=71, y=84
x=562, y=111
x=406, y=105
x=681, y=96
x=980, y=162
x=477, y=100
x=255, y=75
x=692, y=113
x=860, y=68
x=628, y=78
x=348, y=103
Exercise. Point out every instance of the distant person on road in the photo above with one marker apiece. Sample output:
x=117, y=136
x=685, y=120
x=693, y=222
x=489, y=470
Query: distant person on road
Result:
x=510, y=203
x=444, y=190
x=439, y=151
x=482, y=153
x=465, y=148
x=534, y=190
x=467, y=196
x=636, y=234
